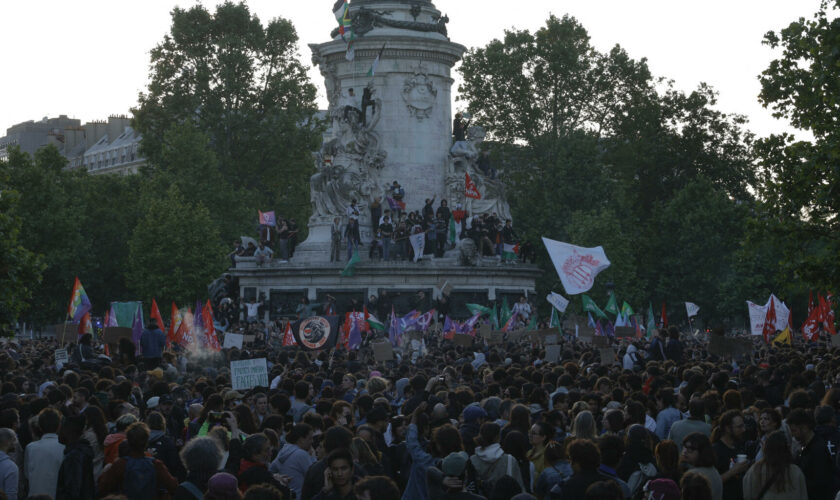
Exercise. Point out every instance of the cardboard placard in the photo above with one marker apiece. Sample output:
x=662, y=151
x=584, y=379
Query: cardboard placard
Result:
x=607, y=355
x=113, y=334
x=248, y=339
x=60, y=358
x=600, y=341
x=382, y=351
x=496, y=338
x=586, y=339
x=584, y=330
x=233, y=340
x=552, y=353
x=248, y=373
x=484, y=330
x=463, y=340
x=624, y=331
x=550, y=339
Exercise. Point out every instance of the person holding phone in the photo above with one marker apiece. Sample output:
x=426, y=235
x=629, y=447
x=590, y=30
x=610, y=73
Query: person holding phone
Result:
x=339, y=477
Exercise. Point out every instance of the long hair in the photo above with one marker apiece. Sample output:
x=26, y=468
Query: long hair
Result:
x=695, y=486
x=584, y=425
x=362, y=452
x=668, y=458
x=725, y=421
x=775, y=461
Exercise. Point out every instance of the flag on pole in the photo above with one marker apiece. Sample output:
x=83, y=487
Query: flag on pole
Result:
x=267, y=218
x=627, y=310
x=554, y=321
x=510, y=251
x=612, y=305
x=154, y=313
x=394, y=333
x=137, y=327
x=576, y=266
x=784, y=337
x=288, y=336
x=558, y=301
x=468, y=328
x=664, y=316
x=691, y=309
x=209, y=327
x=591, y=306
x=511, y=323
x=354, y=337
x=621, y=320
x=769, y=323
x=504, y=314
x=174, y=324
x=651, y=322
x=375, y=324
x=450, y=328
x=350, y=269
x=494, y=318
x=827, y=314
x=79, y=302
x=470, y=188
x=395, y=204
x=532, y=325
x=85, y=326
x=372, y=70
x=418, y=243
x=476, y=309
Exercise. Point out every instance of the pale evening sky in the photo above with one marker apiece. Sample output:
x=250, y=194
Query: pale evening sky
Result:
x=89, y=58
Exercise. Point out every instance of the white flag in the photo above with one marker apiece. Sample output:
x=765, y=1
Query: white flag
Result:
x=782, y=312
x=620, y=320
x=418, y=243
x=576, y=266
x=691, y=309
x=558, y=301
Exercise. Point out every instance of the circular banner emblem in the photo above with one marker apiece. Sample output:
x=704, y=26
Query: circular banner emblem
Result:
x=314, y=332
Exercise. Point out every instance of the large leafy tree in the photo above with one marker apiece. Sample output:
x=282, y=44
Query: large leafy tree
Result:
x=173, y=250
x=800, y=180
x=20, y=269
x=240, y=84
x=597, y=151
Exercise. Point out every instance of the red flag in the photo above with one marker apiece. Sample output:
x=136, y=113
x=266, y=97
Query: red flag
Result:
x=175, y=320
x=470, y=189
x=85, y=326
x=769, y=322
x=288, y=336
x=154, y=313
x=664, y=316
x=827, y=314
x=209, y=327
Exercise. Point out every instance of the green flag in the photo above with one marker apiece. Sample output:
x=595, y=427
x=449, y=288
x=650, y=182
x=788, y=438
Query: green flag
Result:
x=532, y=325
x=651, y=322
x=494, y=317
x=626, y=310
x=475, y=308
x=350, y=268
x=375, y=324
x=612, y=305
x=554, y=321
x=452, y=234
x=591, y=306
x=504, y=314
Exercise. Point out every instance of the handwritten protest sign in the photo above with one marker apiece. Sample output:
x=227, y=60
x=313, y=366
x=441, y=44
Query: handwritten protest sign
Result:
x=552, y=353
x=233, y=340
x=248, y=373
x=463, y=340
x=249, y=339
x=60, y=358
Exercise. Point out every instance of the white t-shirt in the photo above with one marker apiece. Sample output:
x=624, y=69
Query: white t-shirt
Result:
x=253, y=308
x=353, y=212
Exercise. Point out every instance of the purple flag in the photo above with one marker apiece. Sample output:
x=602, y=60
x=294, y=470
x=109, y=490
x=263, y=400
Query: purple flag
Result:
x=469, y=325
x=423, y=321
x=137, y=328
x=395, y=205
x=394, y=332
x=450, y=326
x=355, y=338
x=408, y=320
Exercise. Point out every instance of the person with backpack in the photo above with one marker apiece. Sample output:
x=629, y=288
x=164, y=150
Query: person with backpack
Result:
x=490, y=462
x=75, y=476
x=137, y=476
x=632, y=358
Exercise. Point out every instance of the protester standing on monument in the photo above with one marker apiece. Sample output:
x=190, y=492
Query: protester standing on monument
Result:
x=459, y=127
x=386, y=232
x=263, y=254
x=351, y=235
x=293, y=237
x=397, y=193
x=335, y=240
x=375, y=213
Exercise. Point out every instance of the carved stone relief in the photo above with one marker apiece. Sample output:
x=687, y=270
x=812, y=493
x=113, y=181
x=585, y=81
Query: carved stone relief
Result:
x=419, y=94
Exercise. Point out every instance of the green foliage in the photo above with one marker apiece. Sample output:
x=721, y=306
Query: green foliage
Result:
x=800, y=181
x=20, y=269
x=174, y=250
x=596, y=151
x=235, y=93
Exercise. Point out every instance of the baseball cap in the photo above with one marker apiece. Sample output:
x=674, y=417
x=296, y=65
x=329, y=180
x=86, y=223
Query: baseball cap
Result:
x=454, y=463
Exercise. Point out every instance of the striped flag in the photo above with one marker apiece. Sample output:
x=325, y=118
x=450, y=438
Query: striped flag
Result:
x=79, y=302
x=372, y=70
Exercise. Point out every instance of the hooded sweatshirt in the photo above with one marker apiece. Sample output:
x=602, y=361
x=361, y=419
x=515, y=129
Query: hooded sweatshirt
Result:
x=293, y=462
x=491, y=463
x=630, y=357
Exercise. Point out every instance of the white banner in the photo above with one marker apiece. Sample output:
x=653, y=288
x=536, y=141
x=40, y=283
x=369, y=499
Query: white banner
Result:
x=60, y=358
x=782, y=312
x=233, y=340
x=248, y=373
x=757, y=315
x=558, y=301
x=691, y=309
x=418, y=243
x=576, y=266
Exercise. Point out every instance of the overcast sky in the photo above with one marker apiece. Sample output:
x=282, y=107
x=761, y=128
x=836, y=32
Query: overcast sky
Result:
x=89, y=58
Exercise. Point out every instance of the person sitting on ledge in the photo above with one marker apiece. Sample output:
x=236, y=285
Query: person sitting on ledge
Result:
x=263, y=254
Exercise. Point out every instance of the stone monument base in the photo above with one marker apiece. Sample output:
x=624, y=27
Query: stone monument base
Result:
x=280, y=286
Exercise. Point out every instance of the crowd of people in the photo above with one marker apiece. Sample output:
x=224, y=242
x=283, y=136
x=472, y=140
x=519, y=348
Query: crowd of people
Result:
x=662, y=418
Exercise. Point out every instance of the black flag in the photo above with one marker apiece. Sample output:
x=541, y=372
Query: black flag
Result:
x=316, y=332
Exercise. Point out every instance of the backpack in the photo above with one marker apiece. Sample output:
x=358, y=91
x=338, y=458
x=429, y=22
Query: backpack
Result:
x=192, y=489
x=140, y=480
x=638, y=479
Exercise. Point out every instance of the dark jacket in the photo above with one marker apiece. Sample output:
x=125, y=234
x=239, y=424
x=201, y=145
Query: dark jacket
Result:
x=253, y=473
x=575, y=487
x=75, y=477
x=816, y=464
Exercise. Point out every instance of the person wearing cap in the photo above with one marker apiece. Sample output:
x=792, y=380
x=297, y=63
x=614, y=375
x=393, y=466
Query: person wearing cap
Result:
x=473, y=417
x=233, y=399
x=152, y=342
x=450, y=480
x=223, y=486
